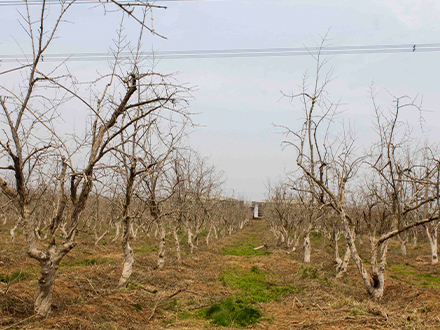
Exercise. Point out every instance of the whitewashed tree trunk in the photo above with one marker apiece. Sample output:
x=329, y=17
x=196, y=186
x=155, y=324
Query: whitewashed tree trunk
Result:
x=118, y=231
x=432, y=234
x=12, y=231
x=128, y=263
x=190, y=237
x=177, y=242
x=99, y=238
x=161, y=254
x=403, y=243
x=307, y=248
x=341, y=267
x=414, y=232
x=133, y=232
x=209, y=235
x=43, y=298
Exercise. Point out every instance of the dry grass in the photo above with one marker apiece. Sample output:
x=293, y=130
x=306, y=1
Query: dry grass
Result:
x=86, y=297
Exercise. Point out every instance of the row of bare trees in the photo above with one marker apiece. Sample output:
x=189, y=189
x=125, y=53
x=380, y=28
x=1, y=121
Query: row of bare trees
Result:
x=384, y=191
x=130, y=170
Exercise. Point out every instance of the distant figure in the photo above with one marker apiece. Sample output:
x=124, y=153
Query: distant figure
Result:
x=414, y=48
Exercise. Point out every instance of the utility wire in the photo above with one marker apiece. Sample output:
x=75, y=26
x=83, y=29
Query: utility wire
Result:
x=9, y=3
x=230, y=53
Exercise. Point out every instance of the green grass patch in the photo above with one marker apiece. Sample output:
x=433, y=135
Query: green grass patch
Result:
x=407, y=273
x=355, y=311
x=232, y=312
x=138, y=307
x=244, y=249
x=253, y=284
x=16, y=276
x=308, y=272
x=146, y=249
x=316, y=237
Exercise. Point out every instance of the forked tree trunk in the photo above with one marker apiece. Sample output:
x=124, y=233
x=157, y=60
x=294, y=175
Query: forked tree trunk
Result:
x=99, y=238
x=307, y=248
x=341, y=267
x=374, y=284
x=118, y=231
x=403, y=242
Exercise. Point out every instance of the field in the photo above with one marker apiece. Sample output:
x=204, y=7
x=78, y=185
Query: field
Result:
x=226, y=283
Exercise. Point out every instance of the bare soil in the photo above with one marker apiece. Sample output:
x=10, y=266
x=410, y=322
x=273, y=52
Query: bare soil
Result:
x=86, y=297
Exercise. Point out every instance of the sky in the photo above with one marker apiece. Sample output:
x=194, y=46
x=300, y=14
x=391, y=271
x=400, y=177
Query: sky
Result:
x=239, y=100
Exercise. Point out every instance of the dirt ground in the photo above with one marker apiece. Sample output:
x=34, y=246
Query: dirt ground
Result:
x=86, y=297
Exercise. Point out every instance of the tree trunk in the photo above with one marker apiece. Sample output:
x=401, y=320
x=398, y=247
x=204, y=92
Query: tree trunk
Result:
x=414, y=232
x=403, y=246
x=161, y=256
x=128, y=263
x=12, y=232
x=118, y=230
x=43, y=298
x=433, y=242
x=307, y=248
x=341, y=268
x=190, y=240
x=178, y=251
x=208, y=236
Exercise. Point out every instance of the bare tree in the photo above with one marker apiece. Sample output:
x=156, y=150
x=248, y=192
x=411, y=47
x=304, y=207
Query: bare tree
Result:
x=328, y=159
x=31, y=144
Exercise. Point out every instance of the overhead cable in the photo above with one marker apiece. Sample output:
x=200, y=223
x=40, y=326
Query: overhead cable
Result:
x=229, y=53
x=9, y=3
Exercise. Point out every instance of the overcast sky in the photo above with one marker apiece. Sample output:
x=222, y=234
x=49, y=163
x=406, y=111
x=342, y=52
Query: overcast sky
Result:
x=239, y=99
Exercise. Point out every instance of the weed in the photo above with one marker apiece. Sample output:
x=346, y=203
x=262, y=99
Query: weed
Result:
x=354, y=311
x=327, y=281
x=408, y=274
x=146, y=248
x=316, y=237
x=138, y=307
x=244, y=249
x=254, y=285
x=80, y=262
x=232, y=311
x=308, y=272
x=15, y=276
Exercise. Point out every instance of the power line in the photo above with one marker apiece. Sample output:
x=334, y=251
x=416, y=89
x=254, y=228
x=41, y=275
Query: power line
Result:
x=8, y=3
x=237, y=53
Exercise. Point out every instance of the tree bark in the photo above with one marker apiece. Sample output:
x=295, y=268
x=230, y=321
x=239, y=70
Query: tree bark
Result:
x=307, y=248
x=433, y=242
x=178, y=251
x=341, y=267
x=43, y=298
x=128, y=263
x=161, y=255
